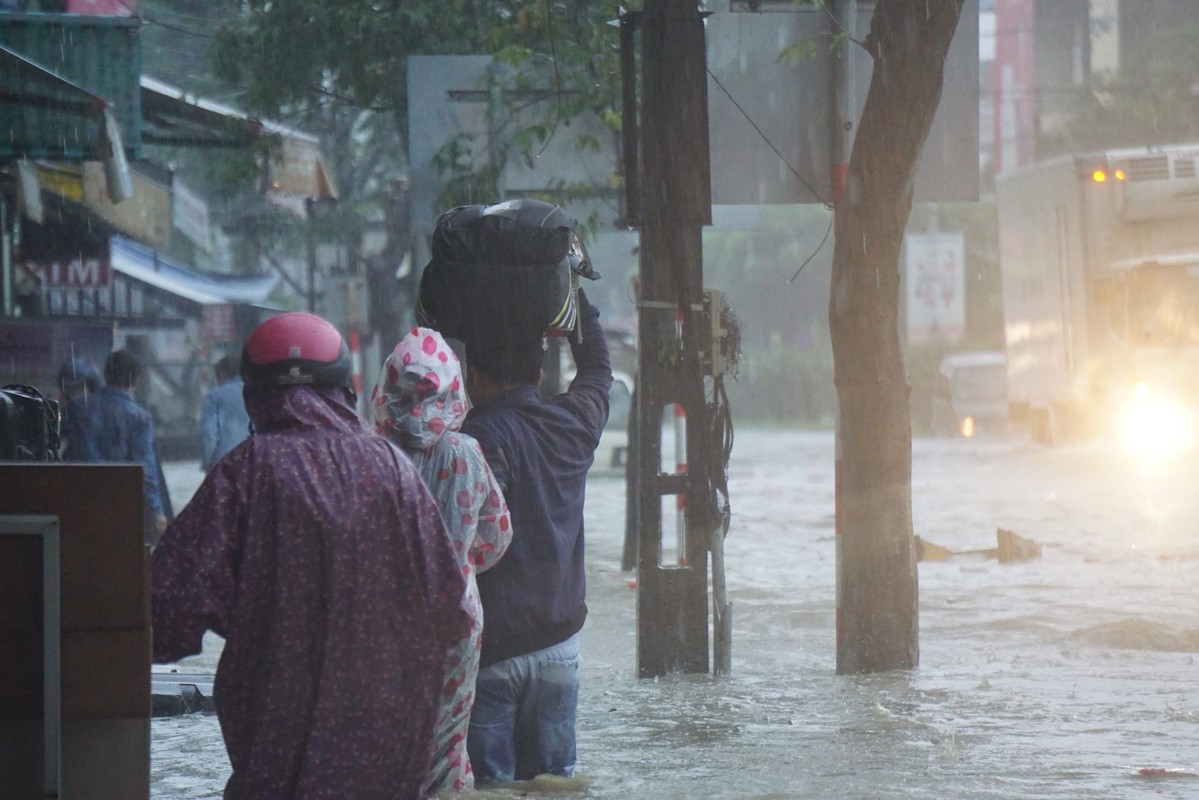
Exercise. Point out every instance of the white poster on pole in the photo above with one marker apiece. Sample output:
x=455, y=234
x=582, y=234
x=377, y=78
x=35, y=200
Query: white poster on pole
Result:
x=934, y=277
x=191, y=215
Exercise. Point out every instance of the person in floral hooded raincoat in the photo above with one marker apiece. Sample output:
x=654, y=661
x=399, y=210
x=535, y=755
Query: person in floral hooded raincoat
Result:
x=420, y=403
x=316, y=551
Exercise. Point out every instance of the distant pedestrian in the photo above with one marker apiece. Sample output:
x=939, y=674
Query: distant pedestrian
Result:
x=121, y=430
x=224, y=423
x=419, y=403
x=78, y=381
x=316, y=551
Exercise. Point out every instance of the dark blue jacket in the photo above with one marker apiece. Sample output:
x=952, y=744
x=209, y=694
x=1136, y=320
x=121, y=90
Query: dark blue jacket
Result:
x=76, y=437
x=118, y=429
x=224, y=423
x=540, y=453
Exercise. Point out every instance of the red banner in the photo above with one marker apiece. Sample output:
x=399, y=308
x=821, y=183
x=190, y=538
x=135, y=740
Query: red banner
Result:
x=218, y=323
x=103, y=8
x=1015, y=89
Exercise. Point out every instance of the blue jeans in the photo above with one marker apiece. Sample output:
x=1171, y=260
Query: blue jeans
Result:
x=523, y=721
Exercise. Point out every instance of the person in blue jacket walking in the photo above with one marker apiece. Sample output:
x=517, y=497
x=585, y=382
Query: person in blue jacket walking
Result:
x=121, y=430
x=78, y=382
x=224, y=423
x=523, y=722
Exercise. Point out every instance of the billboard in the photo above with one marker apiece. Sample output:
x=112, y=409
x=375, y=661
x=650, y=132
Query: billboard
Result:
x=935, y=291
x=770, y=112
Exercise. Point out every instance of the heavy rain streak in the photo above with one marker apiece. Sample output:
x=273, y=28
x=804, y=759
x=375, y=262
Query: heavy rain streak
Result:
x=1070, y=675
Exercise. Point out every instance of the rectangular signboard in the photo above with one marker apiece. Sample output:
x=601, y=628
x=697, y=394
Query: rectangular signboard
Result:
x=934, y=277
x=81, y=272
x=770, y=105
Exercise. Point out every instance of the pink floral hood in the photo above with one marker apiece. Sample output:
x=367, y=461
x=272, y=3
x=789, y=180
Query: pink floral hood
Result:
x=420, y=394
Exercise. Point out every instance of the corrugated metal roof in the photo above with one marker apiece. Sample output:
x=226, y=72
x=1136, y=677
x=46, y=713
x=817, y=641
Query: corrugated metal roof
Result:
x=88, y=55
x=161, y=92
x=173, y=116
x=143, y=264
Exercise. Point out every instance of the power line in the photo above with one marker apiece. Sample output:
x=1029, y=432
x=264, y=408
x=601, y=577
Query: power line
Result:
x=766, y=139
x=794, y=172
x=160, y=8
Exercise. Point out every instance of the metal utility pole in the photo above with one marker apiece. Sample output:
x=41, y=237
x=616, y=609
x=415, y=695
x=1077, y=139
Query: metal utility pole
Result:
x=310, y=252
x=844, y=108
x=6, y=267
x=674, y=205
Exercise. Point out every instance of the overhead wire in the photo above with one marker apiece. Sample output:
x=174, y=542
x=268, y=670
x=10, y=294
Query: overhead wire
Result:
x=766, y=138
x=133, y=10
x=549, y=34
x=793, y=170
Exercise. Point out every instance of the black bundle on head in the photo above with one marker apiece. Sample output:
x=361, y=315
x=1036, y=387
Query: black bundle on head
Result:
x=512, y=265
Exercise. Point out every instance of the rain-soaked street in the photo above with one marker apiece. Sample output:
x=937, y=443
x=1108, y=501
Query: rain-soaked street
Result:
x=1071, y=676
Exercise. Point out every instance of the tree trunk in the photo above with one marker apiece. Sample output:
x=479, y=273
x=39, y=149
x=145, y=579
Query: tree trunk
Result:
x=877, y=614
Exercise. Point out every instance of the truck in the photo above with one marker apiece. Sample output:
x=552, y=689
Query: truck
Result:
x=1099, y=256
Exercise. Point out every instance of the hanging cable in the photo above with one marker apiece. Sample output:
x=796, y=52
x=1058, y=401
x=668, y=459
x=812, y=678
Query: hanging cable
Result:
x=549, y=34
x=815, y=252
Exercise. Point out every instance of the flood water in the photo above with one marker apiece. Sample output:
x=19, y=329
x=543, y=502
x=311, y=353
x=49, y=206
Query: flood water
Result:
x=1069, y=676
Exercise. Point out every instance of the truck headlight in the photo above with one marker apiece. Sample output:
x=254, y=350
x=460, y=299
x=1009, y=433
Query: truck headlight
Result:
x=1155, y=426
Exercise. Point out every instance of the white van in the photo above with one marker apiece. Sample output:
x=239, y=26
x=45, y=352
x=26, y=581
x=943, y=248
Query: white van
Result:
x=970, y=395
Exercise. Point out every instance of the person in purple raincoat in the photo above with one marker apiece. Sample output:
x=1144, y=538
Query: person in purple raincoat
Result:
x=318, y=554
x=419, y=403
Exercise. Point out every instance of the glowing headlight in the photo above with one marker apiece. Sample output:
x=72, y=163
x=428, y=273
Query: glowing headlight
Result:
x=1153, y=426
x=967, y=427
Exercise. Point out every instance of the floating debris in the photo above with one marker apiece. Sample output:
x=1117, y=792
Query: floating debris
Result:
x=1009, y=549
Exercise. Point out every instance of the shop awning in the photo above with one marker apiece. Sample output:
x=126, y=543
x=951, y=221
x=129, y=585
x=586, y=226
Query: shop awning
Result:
x=23, y=82
x=67, y=82
x=171, y=116
x=145, y=265
x=29, y=91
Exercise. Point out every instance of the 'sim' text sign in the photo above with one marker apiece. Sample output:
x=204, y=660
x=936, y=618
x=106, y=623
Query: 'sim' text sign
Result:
x=76, y=273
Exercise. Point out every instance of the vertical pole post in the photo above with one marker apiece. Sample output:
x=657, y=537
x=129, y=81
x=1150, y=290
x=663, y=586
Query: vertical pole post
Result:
x=6, y=257
x=630, y=129
x=630, y=157
x=52, y=655
x=845, y=109
x=672, y=612
x=310, y=247
x=680, y=466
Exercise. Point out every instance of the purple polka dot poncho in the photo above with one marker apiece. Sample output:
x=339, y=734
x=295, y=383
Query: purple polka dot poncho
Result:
x=316, y=551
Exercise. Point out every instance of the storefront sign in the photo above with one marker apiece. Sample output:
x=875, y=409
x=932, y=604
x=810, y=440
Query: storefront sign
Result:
x=76, y=273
